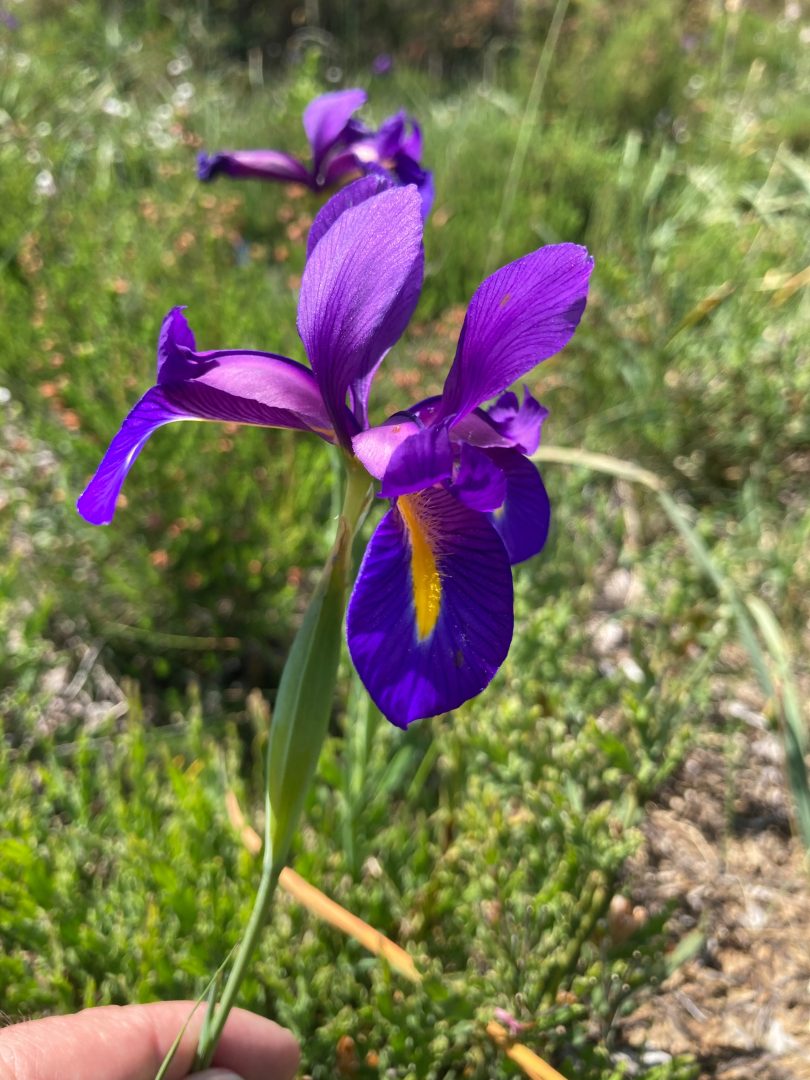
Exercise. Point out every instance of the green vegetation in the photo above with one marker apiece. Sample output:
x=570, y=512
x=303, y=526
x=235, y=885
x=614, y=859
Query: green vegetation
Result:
x=136, y=661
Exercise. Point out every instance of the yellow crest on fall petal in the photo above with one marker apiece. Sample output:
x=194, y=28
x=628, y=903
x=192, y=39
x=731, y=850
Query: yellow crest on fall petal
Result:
x=426, y=584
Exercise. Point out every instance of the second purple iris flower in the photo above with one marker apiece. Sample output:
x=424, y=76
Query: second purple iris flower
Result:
x=341, y=147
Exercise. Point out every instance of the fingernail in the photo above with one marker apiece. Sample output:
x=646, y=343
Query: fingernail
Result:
x=215, y=1074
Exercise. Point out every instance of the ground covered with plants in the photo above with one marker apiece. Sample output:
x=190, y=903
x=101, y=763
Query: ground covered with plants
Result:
x=138, y=663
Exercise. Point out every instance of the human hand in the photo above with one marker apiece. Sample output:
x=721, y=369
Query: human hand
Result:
x=129, y=1042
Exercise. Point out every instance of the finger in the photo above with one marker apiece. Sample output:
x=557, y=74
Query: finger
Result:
x=130, y=1042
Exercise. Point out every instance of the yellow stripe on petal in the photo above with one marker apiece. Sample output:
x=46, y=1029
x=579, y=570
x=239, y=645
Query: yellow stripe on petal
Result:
x=425, y=581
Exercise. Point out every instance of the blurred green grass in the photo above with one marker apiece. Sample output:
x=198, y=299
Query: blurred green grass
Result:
x=671, y=144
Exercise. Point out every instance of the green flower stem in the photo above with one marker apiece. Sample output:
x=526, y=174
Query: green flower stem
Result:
x=297, y=732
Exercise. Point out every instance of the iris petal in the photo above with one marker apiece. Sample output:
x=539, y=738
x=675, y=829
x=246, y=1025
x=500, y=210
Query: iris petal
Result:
x=352, y=195
x=520, y=423
x=430, y=619
x=523, y=520
x=360, y=286
x=374, y=447
x=522, y=314
x=480, y=483
x=420, y=461
x=176, y=346
x=96, y=504
x=252, y=165
x=241, y=387
x=325, y=118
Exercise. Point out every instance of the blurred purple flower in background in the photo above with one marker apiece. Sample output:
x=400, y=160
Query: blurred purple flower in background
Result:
x=382, y=64
x=430, y=618
x=341, y=148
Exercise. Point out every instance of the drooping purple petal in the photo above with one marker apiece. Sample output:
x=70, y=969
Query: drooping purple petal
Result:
x=373, y=448
x=242, y=387
x=430, y=618
x=352, y=195
x=522, y=314
x=420, y=461
x=519, y=422
x=359, y=289
x=96, y=504
x=480, y=483
x=253, y=165
x=523, y=521
x=325, y=119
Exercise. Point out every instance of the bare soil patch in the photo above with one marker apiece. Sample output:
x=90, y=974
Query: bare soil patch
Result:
x=719, y=846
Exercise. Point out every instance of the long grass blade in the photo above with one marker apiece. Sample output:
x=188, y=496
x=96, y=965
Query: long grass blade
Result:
x=208, y=995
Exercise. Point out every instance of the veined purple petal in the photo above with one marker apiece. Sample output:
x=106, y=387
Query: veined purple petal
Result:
x=523, y=520
x=253, y=165
x=430, y=618
x=360, y=286
x=424, y=459
x=480, y=483
x=520, y=423
x=241, y=387
x=522, y=314
x=373, y=448
x=345, y=199
x=325, y=119
x=285, y=392
x=253, y=388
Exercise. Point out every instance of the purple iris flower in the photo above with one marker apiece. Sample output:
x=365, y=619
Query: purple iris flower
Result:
x=341, y=147
x=430, y=617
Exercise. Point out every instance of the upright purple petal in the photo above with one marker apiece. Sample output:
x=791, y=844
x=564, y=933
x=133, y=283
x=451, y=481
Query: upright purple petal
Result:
x=325, y=119
x=523, y=521
x=419, y=462
x=253, y=165
x=430, y=618
x=522, y=314
x=176, y=347
x=359, y=289
x=352, y=195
